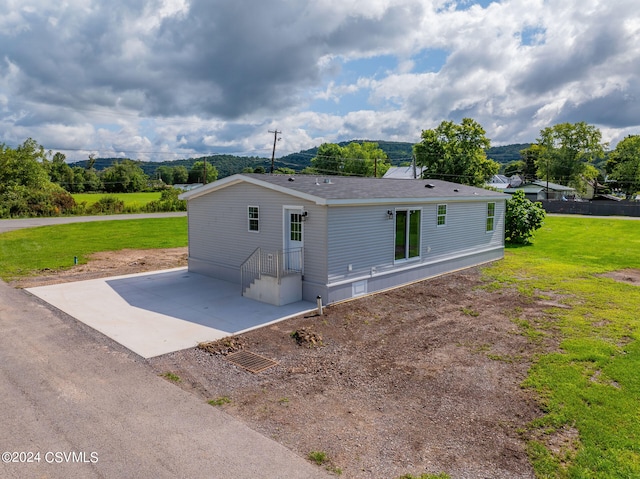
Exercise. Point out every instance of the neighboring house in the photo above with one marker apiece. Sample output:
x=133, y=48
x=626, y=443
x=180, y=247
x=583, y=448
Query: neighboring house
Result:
x=404, y=172
x=286, y=238
x=500, y=182
x=187, y=186
x=537, y=191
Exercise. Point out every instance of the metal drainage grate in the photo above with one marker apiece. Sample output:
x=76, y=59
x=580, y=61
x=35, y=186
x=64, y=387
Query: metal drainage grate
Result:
x=250, y=361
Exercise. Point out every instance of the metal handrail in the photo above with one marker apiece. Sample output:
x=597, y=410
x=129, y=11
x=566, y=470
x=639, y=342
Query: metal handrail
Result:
x=275, y=264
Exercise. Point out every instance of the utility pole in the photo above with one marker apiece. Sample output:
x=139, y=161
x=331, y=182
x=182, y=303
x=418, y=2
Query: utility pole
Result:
x=547, y=195
x=275, y=140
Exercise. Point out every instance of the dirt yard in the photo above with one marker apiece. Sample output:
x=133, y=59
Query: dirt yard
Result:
x=424, y=378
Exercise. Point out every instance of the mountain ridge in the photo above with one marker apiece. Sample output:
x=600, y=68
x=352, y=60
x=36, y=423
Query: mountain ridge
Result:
x=399, y=153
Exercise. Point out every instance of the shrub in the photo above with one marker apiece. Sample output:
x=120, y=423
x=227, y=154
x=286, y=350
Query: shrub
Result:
x=523, y=217
x=22, y=201
x=168, y=202
x=107, y=205
x=63, y=201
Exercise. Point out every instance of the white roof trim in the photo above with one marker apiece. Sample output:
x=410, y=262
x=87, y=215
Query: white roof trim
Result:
x=239, y=178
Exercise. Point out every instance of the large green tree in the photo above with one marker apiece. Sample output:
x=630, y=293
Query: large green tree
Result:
x=23, y=166
x=566, y=151
x=530, y=157
x=623, y=165
x=164, y=173
x=180, y=175
x=25, y=187
x=60, y=172
x=328, y=159
x=357, y=159
x=456, y=153
x=197, y=174
x=124, y=177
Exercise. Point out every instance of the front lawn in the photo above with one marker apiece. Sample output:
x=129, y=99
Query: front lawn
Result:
x=28, y=252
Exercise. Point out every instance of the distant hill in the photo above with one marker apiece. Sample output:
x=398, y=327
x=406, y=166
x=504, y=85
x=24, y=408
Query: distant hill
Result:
x=508, y=153
x=401, y=152
x=398, y=152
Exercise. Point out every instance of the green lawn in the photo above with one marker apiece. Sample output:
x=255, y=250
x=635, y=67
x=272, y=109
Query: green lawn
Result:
x=592, y=384
x=26, y=252
x=129, y=199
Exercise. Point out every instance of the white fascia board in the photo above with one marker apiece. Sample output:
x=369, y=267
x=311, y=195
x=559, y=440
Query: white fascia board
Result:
x=239, y=178
x=216, y=185
x=285, y=190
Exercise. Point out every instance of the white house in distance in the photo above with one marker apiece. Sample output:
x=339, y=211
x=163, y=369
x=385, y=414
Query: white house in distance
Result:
x=284, y=238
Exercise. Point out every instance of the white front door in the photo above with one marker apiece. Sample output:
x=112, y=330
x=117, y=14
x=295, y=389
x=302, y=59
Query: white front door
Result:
x=293, y=237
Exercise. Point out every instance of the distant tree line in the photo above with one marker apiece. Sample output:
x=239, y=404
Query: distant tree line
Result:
x=38, y=182
x=35, y=182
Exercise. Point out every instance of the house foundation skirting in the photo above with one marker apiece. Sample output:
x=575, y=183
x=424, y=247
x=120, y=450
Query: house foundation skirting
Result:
x=359, y=286
x=344, y=290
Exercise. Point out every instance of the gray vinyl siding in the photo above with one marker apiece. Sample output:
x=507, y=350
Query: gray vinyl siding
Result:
x=464, y=231
x=364, y=237
x=360, y=236
x=219, y=236
x=315, y=244
x=349, y=250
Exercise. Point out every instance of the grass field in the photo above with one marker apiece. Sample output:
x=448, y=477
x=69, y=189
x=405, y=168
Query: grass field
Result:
x=26, y=252
x=591, y=385
x=129, y=199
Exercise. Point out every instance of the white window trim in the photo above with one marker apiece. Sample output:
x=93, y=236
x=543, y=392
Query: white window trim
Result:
x=249, y=218
x=413, y=258
x=438, y=215
x=487, y=217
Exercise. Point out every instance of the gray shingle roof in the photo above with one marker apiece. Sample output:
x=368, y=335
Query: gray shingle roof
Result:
x=345, y=189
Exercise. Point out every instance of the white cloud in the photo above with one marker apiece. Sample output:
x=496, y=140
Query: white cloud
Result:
x=194, y=77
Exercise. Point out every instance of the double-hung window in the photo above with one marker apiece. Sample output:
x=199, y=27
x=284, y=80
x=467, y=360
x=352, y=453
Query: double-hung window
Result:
x=254, y=218
x=407, y=234
x=442, y=215
x=491, y=214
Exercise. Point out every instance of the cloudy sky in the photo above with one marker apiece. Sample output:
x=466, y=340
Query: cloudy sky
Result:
x=166, y=79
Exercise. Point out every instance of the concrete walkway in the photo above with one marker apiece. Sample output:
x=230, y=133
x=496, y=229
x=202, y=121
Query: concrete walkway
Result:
x=65, y=389
x=164, y=311
x=10, y=225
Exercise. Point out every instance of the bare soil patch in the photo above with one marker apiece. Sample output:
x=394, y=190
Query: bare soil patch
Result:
x=424, y=378
x=629, y=276
x=110, y=263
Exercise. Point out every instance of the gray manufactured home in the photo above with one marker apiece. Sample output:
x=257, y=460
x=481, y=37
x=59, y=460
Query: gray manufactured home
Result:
x=285, y=238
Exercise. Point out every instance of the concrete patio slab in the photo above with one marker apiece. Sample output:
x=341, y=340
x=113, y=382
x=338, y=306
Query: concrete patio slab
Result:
x=160, y=312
